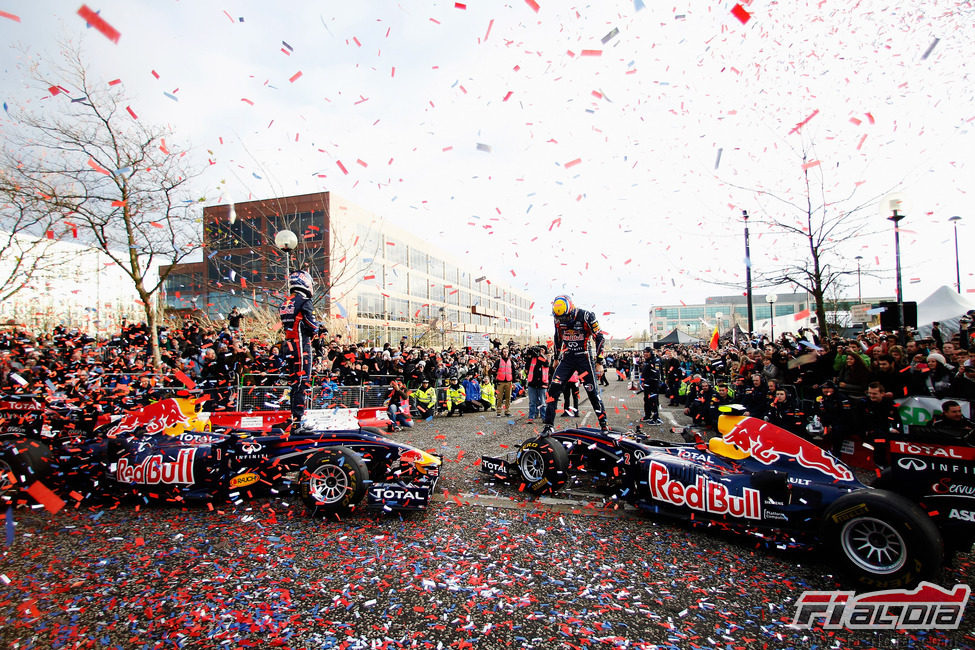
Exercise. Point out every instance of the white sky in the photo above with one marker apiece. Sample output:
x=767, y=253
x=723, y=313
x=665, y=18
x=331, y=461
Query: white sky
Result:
x=647, y=216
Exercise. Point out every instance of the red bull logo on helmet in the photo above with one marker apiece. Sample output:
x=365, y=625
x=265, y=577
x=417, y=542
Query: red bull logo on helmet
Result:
x=768, y=443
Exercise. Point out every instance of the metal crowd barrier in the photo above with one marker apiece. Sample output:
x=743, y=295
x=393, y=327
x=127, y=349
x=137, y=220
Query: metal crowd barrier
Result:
x=256, y=395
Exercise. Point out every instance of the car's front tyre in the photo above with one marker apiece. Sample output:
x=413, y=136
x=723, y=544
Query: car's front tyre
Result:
x=543, y=464
x=332, y=482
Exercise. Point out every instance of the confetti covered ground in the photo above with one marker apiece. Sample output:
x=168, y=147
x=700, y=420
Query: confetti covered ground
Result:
x=484, y=568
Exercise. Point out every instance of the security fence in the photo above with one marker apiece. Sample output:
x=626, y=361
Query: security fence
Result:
x=271, y=392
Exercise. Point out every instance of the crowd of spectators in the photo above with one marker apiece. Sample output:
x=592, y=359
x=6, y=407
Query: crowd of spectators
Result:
x=805, y=384
x=116, y=372
x=844, y=382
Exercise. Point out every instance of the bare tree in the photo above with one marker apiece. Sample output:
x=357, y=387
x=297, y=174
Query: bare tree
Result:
x=28, y=237
x=88, y=158
x=814, y=232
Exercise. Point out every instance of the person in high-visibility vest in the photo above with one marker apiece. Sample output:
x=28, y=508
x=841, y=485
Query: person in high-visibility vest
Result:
x=426, y=399
x=456, y=396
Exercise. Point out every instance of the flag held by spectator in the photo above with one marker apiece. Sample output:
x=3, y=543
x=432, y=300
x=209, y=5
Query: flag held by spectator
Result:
x=714, y=339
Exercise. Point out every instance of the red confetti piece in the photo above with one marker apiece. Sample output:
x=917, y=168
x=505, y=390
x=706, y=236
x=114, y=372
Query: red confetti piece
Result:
x=573, y=163
x=488, y=32
x=8, y=16
x=43, y=495
x=810, y=165
x=244, y=99
x=533, y=5
x=155, y=224
x=98, y=168
x=804, y=122
x=295, y=77
x=99, y=23
x=591, y=53
x=131, y=112
x=459, y=5
x=184, y=379
x=119, y=204
x=739, y=12
x=342, y=167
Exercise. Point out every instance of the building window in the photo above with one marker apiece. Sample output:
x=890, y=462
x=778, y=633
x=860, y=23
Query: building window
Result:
x=397, y=252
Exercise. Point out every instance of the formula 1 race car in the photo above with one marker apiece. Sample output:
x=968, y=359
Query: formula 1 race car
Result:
x=170, y=450
x=759, y=478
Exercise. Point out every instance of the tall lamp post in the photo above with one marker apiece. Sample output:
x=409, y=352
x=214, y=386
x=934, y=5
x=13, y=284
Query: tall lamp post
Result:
x=748, y=276
x=893, y=207
x=286, y=241
x=954, y=221
x=859, y=287
x=443, y=329
x=770, y=299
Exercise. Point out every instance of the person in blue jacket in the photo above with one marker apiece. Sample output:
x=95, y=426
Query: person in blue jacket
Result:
x=299, y=325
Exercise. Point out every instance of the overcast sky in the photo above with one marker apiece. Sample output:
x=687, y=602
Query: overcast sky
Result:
x=591, y=149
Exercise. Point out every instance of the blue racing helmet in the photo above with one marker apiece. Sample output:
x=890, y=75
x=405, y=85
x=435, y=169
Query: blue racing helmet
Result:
x=301, y=281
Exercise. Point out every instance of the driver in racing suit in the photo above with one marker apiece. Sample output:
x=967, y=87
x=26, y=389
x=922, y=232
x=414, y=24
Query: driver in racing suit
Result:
x=573, y=329
x=298, y=323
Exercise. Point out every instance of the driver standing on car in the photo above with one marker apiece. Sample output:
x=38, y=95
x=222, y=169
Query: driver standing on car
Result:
x=573, y=329
x=299, y=326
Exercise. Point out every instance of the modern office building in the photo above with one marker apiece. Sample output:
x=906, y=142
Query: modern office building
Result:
x=792, y=311
x=81, y=288
x=373, y=280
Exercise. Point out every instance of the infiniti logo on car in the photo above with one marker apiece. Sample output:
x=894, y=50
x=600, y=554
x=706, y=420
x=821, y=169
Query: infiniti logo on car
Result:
x=912, y=463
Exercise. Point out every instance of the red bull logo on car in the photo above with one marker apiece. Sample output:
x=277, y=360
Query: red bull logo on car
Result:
x=172, y=416
x=768, y=443
x=705, y=495
x=153, y=470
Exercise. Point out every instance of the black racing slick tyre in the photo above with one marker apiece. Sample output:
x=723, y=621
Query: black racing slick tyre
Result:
x=880, y=540
x=332, y=482
x=543, y=464
x=22, y=462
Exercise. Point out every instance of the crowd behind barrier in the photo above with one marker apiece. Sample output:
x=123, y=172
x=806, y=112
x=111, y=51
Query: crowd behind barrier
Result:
x=791, y=380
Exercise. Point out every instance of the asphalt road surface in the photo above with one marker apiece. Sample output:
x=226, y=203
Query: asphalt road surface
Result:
x=485, y=567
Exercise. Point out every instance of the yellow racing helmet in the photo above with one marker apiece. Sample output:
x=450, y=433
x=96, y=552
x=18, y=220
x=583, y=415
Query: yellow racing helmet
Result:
x=562, y=307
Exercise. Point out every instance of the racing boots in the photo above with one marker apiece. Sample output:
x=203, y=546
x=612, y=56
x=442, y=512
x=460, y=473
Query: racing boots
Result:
x=547, y=430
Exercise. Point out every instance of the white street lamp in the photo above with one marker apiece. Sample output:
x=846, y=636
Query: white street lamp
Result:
x=286, y=241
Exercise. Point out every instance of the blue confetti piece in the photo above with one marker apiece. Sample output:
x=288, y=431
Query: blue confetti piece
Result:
x=256, y=176
x=638, y=5
x=171, y=96
x=5, y=109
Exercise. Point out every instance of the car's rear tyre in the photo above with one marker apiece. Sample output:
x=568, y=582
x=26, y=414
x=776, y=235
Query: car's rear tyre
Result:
x=881, y=540
x=22, y=461
x=332, y=482
x=543, y=464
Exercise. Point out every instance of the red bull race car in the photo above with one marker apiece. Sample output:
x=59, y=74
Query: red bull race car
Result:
x=758, y=478
x=171, y=450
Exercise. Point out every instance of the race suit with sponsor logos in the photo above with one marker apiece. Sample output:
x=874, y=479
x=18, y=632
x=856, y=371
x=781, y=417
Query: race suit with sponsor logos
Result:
x=298, y=323
x=572, y=337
